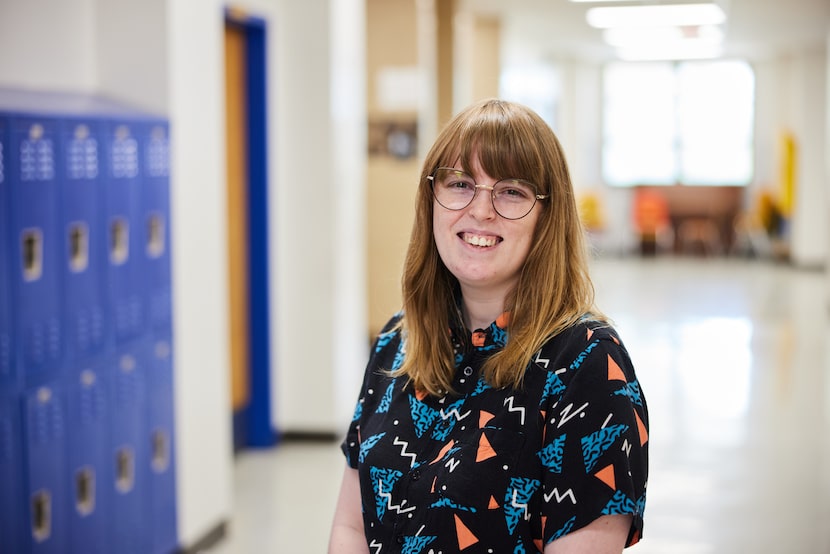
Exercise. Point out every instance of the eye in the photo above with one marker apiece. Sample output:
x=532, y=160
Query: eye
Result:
x=513, y=189
x=458, y=184
x=456, y=181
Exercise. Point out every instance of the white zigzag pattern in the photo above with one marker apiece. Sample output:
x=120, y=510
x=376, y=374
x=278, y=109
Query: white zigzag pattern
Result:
x=454, y=412
x=560, y=497
x=510, y=408
x=517, y=505
x=397, y=507
x=404, y=445
x=540, y=360
x=376, y=544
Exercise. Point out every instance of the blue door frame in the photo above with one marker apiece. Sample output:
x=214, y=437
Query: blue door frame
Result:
x=255, y=426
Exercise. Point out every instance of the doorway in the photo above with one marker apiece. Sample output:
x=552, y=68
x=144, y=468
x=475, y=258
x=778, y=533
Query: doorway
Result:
x=247, y=193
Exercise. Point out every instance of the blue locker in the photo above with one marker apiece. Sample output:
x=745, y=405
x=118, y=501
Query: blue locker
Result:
x=129, y=451
x=156, y=218
x=44, y=447
x=34, y=248
x=89, y=468
x=8, y=377
x=124, y=229
x=13, y=530
x=83, y=239
x=163, y=447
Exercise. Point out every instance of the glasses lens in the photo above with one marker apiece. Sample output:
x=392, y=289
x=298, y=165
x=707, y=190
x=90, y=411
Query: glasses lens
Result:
x=514, y=198
x=453, y=189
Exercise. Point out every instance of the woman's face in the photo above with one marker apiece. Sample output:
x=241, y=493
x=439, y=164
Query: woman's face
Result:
x=483, y=250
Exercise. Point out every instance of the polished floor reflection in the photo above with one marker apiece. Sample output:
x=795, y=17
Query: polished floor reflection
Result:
x=733, y=357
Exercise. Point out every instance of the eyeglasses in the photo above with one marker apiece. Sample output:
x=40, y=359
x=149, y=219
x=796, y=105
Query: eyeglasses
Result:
x=455, y=190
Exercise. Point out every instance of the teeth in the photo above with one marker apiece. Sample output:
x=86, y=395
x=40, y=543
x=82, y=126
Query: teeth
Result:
x=478, y=240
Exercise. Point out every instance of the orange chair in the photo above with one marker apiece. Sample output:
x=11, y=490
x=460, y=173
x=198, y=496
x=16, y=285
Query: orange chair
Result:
x=651, y=221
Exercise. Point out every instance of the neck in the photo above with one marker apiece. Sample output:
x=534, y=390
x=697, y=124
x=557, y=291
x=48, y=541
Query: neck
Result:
x=480, y=310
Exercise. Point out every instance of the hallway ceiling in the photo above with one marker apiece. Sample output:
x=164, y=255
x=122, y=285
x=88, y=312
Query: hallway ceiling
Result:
x=755, y=29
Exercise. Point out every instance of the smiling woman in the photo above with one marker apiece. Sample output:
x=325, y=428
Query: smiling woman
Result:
x=500, y=411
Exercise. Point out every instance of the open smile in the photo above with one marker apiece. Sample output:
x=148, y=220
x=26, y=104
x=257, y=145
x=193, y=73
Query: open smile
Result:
x=485, y=241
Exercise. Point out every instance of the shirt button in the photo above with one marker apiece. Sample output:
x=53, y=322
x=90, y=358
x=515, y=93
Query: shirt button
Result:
x=399, y=539
x=468, y=371
x=416, y=474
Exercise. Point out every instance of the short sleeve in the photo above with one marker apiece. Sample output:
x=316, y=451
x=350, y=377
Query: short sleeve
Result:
x=595, y=440
x=385, y=344
x=351, y=443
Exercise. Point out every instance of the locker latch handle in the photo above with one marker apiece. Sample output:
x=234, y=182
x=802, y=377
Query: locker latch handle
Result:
x=119, y=241
x=161, y=451
x=78, y=247
x=155, y=235
x=85, y=490
x=32, y=250
x=124, y=469
x=41, y=515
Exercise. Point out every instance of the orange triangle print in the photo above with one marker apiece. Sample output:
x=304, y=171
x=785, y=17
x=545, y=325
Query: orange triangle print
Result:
x=614, y=371
x=538, y=543
x=484, y=418
x=590, y=334
x=465, y=536
x=444, y=450
x=485, y=449
x=420, y=394
x=434, y=480
x=606, y=475
x=493, y=505
x=641, y=427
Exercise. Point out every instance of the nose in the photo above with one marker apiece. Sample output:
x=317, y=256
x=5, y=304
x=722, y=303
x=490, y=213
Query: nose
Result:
x=481, y=206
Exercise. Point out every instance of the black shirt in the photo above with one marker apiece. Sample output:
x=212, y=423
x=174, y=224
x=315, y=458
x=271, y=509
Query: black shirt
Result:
x=500, y=470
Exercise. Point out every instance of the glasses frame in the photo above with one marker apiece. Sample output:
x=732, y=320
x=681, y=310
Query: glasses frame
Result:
x=492, y=189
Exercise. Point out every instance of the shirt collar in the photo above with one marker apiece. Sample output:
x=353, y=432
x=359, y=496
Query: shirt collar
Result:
x=491, y=338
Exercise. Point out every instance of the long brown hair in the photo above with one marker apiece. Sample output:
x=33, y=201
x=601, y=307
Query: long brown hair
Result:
x=554, y=289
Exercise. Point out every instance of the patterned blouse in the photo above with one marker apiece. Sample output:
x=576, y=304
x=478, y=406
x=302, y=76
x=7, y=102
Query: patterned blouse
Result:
x=489, y=470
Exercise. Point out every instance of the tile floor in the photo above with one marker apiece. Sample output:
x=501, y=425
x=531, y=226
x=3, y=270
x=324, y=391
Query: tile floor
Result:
x=734, y=360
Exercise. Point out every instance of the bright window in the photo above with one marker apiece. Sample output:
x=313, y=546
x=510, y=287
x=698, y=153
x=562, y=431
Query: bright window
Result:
x=669, y=123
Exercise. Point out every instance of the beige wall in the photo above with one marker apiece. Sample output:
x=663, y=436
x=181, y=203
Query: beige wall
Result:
x=391, y=51
x=486, y=57
x=432, y=43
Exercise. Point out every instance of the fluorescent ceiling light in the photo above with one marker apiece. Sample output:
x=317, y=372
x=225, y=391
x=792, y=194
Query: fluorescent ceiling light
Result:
x=659, y=37
x=662, y=15
x=689, y=49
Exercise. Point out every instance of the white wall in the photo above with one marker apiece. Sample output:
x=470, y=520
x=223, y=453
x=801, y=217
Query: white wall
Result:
x=319, y=340
x=29, y=41
x=196, y=108
x=809, y=246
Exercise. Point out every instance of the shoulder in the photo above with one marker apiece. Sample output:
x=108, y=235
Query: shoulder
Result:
x=583, y=334
x=589, y=343
x=387, y=350
x=390, y=332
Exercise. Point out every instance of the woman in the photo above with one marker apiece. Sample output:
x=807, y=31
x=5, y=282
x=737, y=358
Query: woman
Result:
x=499, y=412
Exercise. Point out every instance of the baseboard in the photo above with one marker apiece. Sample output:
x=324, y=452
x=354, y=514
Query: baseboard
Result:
x=309, y=436
x=208, y=540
